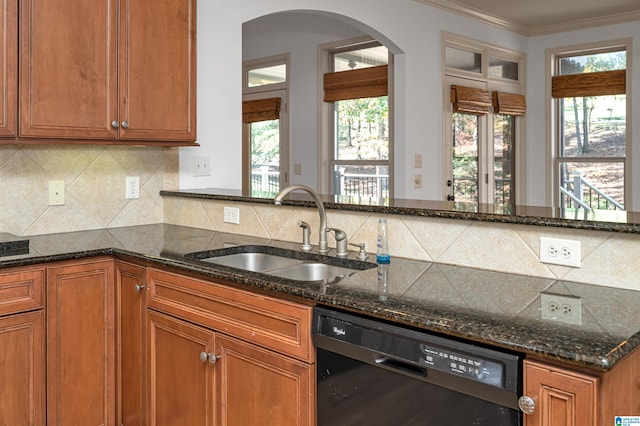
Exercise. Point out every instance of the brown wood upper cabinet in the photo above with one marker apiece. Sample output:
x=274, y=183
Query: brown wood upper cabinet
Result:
x=8, y=67
x=116, y=70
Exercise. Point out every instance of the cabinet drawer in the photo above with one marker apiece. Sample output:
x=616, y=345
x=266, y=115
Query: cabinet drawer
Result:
x=267, y=321
x=21, y=290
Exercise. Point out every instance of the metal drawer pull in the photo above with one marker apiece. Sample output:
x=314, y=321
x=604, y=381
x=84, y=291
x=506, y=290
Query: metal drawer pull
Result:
x=527, y=404
x=139, y=287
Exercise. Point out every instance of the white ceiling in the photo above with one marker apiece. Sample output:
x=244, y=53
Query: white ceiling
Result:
x=544, y=16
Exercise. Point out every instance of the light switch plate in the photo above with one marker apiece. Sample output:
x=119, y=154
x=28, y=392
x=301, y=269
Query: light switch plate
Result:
x=201, y=166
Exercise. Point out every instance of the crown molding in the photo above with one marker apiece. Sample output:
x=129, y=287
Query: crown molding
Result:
x=582, y=24
x=571, y=25
x=477, y=14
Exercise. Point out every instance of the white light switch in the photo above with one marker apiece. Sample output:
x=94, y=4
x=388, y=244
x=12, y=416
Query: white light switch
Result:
x=417, y=161
x=201, y=166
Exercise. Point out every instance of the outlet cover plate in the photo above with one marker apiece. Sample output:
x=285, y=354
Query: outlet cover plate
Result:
x=560, y=252
x=561, y=308
x=232, y=215
x=132, y=187
x=56, y=193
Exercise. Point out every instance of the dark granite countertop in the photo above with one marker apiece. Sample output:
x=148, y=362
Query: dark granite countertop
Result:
x=492, y=308
x=595, y=220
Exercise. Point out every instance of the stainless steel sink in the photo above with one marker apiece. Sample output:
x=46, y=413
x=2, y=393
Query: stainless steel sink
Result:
x=283, y=263
x=314, y=272
x=256, y=262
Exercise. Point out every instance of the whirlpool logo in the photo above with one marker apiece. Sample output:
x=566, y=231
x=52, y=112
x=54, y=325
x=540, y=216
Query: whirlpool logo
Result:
x=341, y=332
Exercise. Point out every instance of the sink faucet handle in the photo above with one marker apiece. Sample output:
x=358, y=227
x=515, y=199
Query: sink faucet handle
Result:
x=341, y=241
x=339, y=234
x=306, y=234
x=362, y=254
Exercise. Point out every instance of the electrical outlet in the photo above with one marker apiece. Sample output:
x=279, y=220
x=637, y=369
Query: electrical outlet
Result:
x=232, y=215
x=132, y=187
x=417, y=181
x=56, y=193
x=560, y=252
x=558, y=307
x=201, y=166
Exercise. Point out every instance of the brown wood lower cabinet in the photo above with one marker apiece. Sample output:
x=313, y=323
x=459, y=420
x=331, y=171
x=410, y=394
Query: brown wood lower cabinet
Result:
x=81, y=343
x=22, y=385
x=562, y=397
x=260, y=387
x=565, y=397
x=131, y=326
x=215, y=372
x=181, y=383
x=22, y=347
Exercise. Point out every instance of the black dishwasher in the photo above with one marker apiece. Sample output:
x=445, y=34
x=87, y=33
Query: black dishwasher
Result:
x=374, y=373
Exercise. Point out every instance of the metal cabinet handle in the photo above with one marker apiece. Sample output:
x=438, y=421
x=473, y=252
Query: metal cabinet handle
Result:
x=125, y=124
x=115, y=124
x=204, y=357
x=527, y=404
x=139, y=287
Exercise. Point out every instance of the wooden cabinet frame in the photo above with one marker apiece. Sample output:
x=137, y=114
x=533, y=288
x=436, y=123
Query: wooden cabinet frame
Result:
x=107, y=71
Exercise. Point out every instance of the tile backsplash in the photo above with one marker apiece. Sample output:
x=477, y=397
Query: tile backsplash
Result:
x=94, y=179
x=608, y=258
x=95, y=198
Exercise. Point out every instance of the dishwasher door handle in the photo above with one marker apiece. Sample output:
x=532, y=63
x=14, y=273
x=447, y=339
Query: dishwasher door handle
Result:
x=400, y=365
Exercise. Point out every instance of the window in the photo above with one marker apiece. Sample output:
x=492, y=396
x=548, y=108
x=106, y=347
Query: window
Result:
x=265, y=126
x=357, y=87
x=589, y=91
x=483, y=103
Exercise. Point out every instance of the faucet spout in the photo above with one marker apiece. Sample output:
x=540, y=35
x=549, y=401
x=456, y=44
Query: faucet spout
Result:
x=322, y=239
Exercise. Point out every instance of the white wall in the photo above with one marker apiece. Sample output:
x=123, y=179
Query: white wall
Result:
x=415, y=31
x=415, y=28
x=298, y=34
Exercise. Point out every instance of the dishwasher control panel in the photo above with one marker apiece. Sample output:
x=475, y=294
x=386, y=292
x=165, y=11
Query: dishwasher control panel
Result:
x=465, y=365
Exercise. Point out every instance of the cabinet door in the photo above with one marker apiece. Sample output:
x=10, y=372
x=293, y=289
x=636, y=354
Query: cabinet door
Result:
x=8, y=67
x=261, y=387
x=157, y=70
x=181, y=378
x=131, y=347
x=562, y=397
x=81, y=344
x=22, y=378
x=68, y=68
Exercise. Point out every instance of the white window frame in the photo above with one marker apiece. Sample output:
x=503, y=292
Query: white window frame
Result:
x=485, y=132
x=553, y=118
x=326, y=125
x=278, y=90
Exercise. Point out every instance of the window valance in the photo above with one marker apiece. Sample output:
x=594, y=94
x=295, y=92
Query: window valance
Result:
x=470, y=100
x=589, y=84
x=260, y=110
x=363, y=83
x=509, y=103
